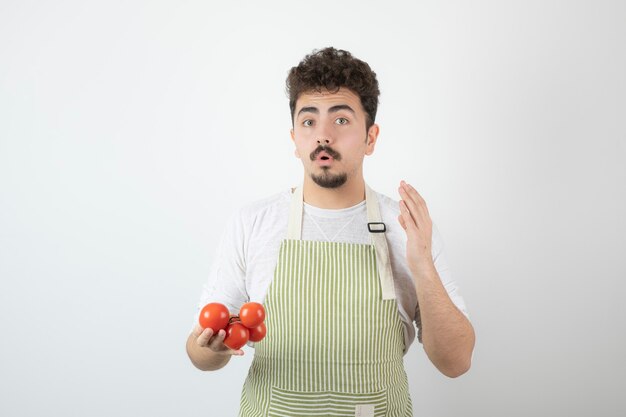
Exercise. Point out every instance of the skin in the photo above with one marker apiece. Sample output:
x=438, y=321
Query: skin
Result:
x=448, y=337
x=207, y=351
x=319, y=121
x=338, y=120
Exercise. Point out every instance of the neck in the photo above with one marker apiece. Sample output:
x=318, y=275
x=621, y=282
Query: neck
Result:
x=349, y=194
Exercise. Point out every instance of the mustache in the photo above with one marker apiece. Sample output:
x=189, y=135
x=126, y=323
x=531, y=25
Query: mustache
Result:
x=330, y=151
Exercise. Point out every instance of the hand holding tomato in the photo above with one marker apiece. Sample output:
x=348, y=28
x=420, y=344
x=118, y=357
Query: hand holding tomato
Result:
x=206, y=338
x=227, y=333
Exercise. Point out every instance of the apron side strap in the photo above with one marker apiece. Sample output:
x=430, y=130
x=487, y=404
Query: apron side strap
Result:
x=377, y=234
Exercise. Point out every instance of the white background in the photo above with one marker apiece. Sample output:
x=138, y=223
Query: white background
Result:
x=129, y=130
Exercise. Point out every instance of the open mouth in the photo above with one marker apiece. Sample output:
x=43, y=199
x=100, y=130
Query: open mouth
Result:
x=324, y=159
x=325, y=156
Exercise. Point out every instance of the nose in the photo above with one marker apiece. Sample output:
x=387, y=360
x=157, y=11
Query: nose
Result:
x=324, y=136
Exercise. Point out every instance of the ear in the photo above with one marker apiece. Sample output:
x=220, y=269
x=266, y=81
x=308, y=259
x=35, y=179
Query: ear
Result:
x=372, y=136
x=293, y=139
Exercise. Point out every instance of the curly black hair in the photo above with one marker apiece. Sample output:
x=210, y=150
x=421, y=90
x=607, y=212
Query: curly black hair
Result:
x=331, y=69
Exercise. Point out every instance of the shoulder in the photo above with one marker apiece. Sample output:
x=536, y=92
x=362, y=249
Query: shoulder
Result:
x=387, y=204
x=261, y=219
x=271, y=208
x=276, y=201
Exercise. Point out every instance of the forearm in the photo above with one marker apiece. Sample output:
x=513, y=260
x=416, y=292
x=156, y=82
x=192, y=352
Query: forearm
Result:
x=204, y=358
x=447, y=336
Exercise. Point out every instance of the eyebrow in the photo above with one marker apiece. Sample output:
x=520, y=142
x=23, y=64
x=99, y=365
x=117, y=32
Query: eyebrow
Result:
x=333, y=109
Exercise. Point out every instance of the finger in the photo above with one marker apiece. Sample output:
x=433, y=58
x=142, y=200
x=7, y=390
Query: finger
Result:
x=217, y=345
x=409, y=221
x=197, y=330
x=401, y=220
x=217, y=342
x=415, y=196
x=408, y=199
x=420, y=215
x=409, y=194
x=205, y=336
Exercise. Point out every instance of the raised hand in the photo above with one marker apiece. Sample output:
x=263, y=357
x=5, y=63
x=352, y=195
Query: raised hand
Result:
x=416, y=222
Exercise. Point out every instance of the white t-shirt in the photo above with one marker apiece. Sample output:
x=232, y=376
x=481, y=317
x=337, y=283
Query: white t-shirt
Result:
x=244, y=264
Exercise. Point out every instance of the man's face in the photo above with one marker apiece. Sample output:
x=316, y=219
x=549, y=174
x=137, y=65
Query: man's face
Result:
x=330, y=136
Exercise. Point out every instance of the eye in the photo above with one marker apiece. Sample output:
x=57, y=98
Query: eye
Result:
x=307, y=123
x=341, y=121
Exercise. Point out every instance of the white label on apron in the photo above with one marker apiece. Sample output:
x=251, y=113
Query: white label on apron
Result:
x=364, y=410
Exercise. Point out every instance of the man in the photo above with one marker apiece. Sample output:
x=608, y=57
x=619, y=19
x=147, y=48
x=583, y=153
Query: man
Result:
x=342, y=270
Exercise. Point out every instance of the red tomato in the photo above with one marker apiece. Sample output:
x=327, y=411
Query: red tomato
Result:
x=236, y=335
x=215, y=316
x=258, y=333
x=251, y=314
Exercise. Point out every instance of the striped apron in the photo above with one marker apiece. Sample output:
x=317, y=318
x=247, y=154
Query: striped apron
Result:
x=335, y=340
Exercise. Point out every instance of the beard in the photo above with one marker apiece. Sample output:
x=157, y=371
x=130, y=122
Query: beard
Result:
x=329, y=180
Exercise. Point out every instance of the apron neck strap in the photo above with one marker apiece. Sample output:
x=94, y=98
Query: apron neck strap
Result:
x=375, y=225
x=294, y=231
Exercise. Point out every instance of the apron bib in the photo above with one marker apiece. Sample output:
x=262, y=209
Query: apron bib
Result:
x=334, y=344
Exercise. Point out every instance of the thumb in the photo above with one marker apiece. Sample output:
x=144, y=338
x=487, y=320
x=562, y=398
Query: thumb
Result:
x=401, y=220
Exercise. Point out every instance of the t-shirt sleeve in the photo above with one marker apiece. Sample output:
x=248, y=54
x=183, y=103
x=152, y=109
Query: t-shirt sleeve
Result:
x=226, y=281
x=445, y=274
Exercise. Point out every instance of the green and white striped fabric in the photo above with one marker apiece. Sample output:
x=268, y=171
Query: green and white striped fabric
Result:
x=333, y=345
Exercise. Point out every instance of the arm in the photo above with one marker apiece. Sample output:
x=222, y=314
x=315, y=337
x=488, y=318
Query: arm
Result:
x=209, y=353
x=448, y=337
x=226, y=285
